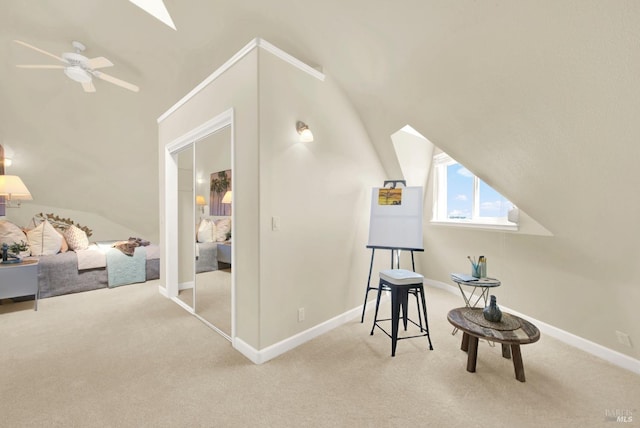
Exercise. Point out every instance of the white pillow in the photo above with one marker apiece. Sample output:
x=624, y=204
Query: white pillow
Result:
x=76, y=238
x=206, y=231
x=223, y=226
x=10, y=233
x=44, y=240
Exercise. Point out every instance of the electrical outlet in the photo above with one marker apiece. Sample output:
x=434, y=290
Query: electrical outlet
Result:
x=300, y=314
x=623, y=338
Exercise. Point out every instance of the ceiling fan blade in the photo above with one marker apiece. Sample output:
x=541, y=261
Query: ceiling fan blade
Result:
x=40, y=66
x=116, y=81
x=41, y=51
x=88, y=86
x=99, y=62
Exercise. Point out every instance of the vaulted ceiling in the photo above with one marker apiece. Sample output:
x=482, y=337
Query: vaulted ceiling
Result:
x=539, y=98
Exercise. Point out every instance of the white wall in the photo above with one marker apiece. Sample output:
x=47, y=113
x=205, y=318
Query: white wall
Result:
x=102, y=227
x=320, y=191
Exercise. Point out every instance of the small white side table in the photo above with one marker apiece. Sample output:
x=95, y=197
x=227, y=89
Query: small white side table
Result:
x=481, y=285
x=471, y=299
x=19, y=279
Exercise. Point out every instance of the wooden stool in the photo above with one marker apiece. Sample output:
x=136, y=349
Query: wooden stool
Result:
x=401, y=283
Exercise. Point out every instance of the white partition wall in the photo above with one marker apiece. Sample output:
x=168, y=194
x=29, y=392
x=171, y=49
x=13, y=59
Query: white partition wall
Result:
x=317, y=193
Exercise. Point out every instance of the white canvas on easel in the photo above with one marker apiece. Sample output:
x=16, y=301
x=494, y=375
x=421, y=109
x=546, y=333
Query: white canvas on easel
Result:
x=397, y=226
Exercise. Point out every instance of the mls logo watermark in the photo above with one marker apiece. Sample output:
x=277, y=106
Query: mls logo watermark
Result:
x=618, y=415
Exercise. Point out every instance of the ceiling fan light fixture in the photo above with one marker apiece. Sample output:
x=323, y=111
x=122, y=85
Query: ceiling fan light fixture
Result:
x=76, y=73
x=79, y=68
x=74, y=58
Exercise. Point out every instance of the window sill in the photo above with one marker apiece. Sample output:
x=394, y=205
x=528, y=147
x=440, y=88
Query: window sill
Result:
x=510, y=227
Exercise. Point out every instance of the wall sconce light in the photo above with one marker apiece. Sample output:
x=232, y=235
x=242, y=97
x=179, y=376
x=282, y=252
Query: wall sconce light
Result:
x=12, y=188
x=6, y=162
x=227, y=198
x=201, y=202
x=306, y=136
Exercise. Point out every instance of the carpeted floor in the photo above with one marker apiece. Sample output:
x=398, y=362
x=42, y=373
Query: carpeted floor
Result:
x=128, y=357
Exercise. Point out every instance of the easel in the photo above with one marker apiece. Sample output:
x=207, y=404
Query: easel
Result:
x=394, y=251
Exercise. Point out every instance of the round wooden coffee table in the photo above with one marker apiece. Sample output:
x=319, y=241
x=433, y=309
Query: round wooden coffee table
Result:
x=511, y=332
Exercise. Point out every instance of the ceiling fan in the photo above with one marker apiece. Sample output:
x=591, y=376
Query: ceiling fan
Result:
x=80, y=68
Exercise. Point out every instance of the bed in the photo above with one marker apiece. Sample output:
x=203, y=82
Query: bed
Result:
x=212, y=256
x=213, y=246
x=68, y=263
x=72, y=272
x=206, y=256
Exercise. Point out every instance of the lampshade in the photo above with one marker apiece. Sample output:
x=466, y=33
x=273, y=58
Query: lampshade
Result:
x=200, y=200
x=12, y=187
x=226, y=199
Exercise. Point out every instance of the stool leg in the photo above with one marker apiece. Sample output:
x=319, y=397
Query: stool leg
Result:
x=404, y=303
x=375, y=316
x=424, y=309
x=419, y=311
x=395, y=318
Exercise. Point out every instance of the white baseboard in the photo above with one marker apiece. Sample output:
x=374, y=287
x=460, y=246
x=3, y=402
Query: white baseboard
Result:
x=614, y=357
x=270, y=352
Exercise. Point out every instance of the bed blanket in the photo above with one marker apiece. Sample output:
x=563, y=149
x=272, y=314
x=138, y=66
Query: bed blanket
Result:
x=128, y=247
x=94, y=257
x=91, y=258
x=123, y=269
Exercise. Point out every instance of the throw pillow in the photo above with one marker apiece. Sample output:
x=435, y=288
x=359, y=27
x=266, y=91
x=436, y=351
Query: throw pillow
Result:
x=64, y=246
x=44, y=240
x=223, y=226
x=76, y=238
x=206, y=230
x=10, y=233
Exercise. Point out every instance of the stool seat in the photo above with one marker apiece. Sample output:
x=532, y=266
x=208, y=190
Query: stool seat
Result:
x=401, y=277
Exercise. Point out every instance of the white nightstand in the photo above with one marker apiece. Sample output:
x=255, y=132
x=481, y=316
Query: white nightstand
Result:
x=19, y=279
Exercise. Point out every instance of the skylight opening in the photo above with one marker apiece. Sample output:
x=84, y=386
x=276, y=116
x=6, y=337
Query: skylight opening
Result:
x=414, y=153
x=157, y=9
